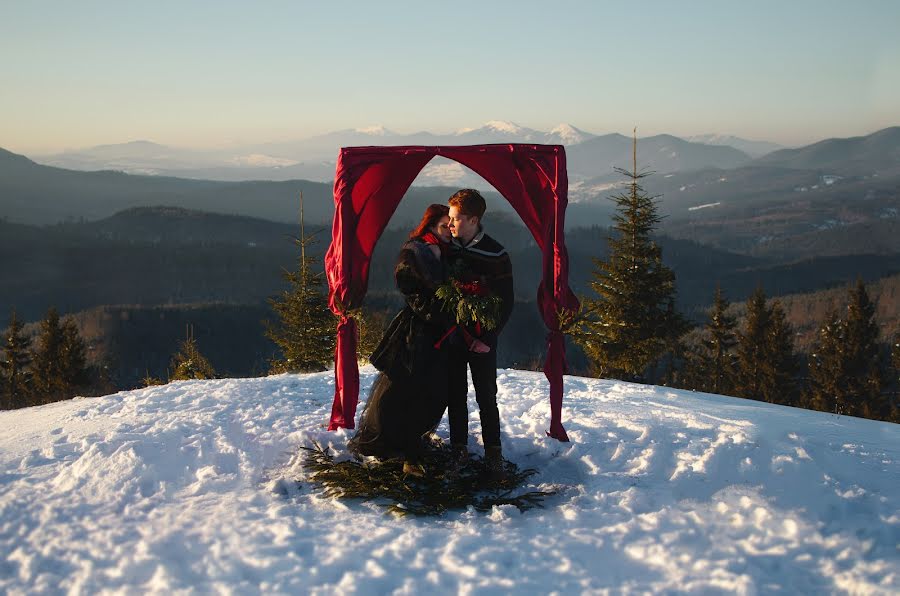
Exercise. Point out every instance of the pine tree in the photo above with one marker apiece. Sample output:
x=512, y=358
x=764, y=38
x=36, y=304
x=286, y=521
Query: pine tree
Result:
x=824, y=369
x=631, y=323
x=713, y=366
x=14, y=374
x=895, y=360
x=48, y=378
x=73, y=362
x=785, y=367
x=188, y=363
x=765, y=356
x=845, y=372
x=305, y=333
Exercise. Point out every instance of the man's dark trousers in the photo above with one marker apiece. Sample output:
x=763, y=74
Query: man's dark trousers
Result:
x=484, y=377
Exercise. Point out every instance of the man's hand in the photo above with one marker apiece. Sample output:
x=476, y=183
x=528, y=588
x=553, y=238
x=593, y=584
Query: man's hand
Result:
x=479, y=347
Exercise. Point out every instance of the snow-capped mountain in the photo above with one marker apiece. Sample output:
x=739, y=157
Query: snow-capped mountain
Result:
x=314, y=157
x=497, y=131
x=197, y=487
x=751, y=148
x=566, y=134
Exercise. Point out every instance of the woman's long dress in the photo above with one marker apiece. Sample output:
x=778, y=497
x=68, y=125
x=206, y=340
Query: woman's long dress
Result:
x=409, y=396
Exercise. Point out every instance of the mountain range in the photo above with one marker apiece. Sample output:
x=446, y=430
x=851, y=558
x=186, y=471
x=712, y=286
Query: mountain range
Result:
x=831, y=183
x=314, y=158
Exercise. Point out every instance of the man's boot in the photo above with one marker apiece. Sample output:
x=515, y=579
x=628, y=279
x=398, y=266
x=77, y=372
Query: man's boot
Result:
x=493, y=459
x=459, y=457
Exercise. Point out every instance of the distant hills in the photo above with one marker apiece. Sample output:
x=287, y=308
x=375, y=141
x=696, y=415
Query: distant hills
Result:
x=877, y=153
x=751, y=148
x=840, y=191
x=314, y=158
x=37, y=194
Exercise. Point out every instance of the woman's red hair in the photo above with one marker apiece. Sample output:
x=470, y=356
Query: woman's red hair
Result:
x=433, y=214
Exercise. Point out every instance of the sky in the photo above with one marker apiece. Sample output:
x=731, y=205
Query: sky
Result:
x=214, y=74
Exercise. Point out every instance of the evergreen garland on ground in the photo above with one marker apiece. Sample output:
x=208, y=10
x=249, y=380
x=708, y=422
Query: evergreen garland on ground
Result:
x=442, y=488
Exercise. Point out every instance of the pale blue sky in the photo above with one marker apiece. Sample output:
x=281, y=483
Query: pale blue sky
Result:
x=75, y=74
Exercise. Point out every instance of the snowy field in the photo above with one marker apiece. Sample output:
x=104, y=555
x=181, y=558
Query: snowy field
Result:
x=183, y=488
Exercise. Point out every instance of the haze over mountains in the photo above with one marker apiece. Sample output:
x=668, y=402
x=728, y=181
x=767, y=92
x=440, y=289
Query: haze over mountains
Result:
x=314, y=158
x=715, y=194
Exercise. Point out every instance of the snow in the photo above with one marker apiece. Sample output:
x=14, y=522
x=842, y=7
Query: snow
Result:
x=260, y=160
x=187, y=487
x=568, y=134
x=377, y=130
x=704, y=206
x=501, y=126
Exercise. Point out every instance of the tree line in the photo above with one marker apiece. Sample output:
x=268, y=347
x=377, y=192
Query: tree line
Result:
x=53, y=369
x=629, y=329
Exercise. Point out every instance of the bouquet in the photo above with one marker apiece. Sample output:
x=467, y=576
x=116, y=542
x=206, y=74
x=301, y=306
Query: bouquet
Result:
x=472, y=302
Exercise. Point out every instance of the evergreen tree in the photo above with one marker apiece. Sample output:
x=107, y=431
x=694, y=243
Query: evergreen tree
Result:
x=305, y=333
x=48, y=378
x=188, y=363
x=631, y=323
x=765, y=356
x=73, y=362
x=825, y=369
x=784, y=360
x=895, y=360
x=846, y=375
x=14, y=374
x=713, y=366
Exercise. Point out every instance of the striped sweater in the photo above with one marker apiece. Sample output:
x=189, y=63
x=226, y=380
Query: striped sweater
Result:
x=486, y=259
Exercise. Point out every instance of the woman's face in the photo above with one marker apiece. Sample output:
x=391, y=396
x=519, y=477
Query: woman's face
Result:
x=442, y=229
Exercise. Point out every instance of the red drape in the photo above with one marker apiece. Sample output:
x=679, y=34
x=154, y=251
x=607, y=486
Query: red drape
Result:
x=369, y=184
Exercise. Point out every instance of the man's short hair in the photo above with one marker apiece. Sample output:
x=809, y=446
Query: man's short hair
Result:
x=469, y=202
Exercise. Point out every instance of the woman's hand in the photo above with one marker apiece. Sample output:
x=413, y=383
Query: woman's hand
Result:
x=479, y=347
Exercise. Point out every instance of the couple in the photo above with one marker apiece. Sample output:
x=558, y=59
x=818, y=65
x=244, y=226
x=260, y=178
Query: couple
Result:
x=457, y=284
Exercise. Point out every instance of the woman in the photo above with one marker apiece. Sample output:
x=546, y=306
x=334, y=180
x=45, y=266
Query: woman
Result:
x=408, y=398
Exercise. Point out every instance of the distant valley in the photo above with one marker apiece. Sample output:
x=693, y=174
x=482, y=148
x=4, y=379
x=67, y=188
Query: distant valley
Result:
x=125, y=250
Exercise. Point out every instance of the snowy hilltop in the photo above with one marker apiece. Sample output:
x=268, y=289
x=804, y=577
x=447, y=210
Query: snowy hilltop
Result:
x=190, y=487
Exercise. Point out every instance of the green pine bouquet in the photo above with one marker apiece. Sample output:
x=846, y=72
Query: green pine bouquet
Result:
x=472, y=302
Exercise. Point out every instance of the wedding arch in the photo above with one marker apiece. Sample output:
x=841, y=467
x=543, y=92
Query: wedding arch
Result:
x=369, y=184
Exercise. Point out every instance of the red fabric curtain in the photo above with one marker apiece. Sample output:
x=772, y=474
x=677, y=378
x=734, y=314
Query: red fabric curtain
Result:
x=369, y=184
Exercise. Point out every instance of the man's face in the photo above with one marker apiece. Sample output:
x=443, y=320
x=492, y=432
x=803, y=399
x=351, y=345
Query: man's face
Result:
x=463, y=227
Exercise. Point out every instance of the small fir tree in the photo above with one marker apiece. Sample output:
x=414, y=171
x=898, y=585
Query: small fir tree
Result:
x=305, y=332
x=14, y=374
x=845, y=372
x=825, y=366
x=713, y=365
x=785, y=388
x=765, y=356
x=188, y=363
x=48, y=378
x=895, y=360
x=73, y=361
x=631, y=323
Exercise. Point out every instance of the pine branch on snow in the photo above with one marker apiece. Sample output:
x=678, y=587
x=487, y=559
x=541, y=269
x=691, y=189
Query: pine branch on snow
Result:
x=442, y=488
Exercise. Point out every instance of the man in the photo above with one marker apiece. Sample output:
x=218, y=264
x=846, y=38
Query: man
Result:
x=482, y=256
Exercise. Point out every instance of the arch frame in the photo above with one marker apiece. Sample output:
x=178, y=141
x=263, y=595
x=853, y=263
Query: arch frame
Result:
x=370, y=182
